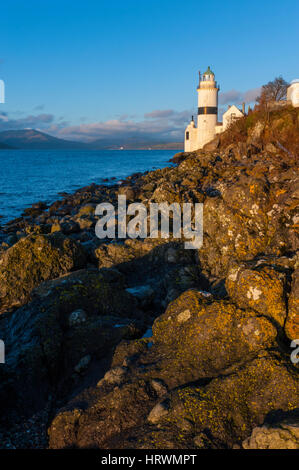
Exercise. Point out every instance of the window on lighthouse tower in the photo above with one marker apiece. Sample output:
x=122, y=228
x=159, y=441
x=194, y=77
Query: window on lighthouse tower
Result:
x=187, y=135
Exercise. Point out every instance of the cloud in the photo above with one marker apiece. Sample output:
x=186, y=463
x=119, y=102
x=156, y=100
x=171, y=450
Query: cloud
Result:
x=237, y=97
x=251, y=95
x=157, y=126
x=31, y=121
x=120, y=129
x=159, y=113
x=40, y=107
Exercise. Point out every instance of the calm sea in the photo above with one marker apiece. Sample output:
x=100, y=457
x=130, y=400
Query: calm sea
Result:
x=30, y=176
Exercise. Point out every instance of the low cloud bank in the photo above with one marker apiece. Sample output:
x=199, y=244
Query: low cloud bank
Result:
x=238, y=97
x=159, y=125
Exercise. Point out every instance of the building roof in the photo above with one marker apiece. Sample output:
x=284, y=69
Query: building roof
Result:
x=234, y=109
x=209, y=72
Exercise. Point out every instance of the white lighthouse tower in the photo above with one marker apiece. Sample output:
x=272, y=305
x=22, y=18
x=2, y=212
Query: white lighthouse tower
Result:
x=207, y=125
x=207, y=108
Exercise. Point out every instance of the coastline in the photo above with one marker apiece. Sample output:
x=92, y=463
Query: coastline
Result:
x=160, y=342
x=48, y=173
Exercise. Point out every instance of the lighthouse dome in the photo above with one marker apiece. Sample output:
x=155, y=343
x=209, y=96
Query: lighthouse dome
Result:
x=209, y=72
x=208, y=76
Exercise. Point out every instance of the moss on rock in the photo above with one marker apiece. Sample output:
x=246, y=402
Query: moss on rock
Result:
x=33, y=260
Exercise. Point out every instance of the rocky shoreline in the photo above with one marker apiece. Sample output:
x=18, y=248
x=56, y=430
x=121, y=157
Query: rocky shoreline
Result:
x=143, y=344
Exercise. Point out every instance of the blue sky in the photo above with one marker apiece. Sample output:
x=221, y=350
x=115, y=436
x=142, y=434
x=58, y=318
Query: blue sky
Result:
x=82, y=70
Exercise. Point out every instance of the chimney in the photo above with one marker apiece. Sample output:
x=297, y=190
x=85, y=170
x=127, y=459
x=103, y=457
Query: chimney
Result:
x=243, y=108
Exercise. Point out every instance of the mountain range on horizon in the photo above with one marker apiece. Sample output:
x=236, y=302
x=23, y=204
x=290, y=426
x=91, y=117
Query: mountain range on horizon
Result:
x=31, y=139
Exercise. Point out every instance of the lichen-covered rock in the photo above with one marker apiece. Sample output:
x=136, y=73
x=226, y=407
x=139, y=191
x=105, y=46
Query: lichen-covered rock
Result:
x=86, y=222
x=202, y=338
x=119, y=410
x=33, y=260
x=259, y=288
x=113, y=254
x=223, y=412
x=127, y=351
x=127, y=191
x=159, y=410
x=66, y=226
x=228, y=233
x=229, y=407
x=87, y=209
x=114, y=376
x=283, y=435
x=165, y=192
x=44, y=347
x=292, y=322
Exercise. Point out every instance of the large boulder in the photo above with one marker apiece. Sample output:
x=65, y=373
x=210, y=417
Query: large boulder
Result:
x=70, y=322
x=33, y=260
x=245, y=216
x=166, y=192
x=292, y=322
x=228, y=408
x=135, y=414
x=229, y=233
x=109, y=413
x=200, y=337
x=283, y=435
x=260, y=288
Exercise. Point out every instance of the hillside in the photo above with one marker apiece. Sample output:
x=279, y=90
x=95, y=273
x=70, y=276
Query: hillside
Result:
x=131, y=143
x=143, y=344
x=30, y=139
x=35, y=140
x=279, y=129
x=4, y=146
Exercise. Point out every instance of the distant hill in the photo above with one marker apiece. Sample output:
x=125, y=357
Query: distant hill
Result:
x=133, y=143
x=168, y=146
x=30, y=139
x=4, y=146
x=36, y=140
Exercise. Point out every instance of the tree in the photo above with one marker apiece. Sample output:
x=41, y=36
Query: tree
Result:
x=273, y=91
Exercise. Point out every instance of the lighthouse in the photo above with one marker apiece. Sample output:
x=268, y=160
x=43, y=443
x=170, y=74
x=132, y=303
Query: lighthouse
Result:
x=207, y=113
x=197, y=136
x=207, y=108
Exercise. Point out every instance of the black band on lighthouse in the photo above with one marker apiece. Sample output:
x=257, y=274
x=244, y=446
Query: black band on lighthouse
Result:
x=207, y=110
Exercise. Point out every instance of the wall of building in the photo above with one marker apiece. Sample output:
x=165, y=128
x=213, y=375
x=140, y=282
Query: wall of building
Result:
x=230, y=115
x=219, y=129
x=191, y=143
x=293, y=94
x=206, y=123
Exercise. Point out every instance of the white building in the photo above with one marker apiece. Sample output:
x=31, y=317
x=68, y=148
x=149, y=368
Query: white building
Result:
x=293, y=93
x=207, y=125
